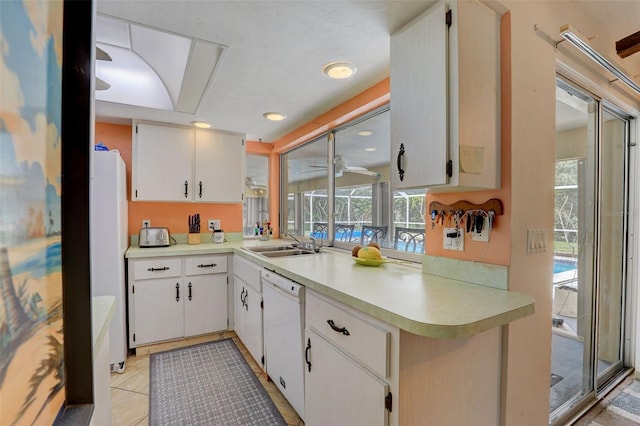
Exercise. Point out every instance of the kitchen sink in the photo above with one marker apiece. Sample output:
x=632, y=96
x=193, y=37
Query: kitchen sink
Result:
x=270, y=248
x=279, y=251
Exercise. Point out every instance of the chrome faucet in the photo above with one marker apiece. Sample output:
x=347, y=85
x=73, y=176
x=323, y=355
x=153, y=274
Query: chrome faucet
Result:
x=306, y=245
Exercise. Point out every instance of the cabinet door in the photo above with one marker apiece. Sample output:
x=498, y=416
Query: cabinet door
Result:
x=239, y=314
x=250, y=313
x=419, y=101
x=162, y=163
x=338, y=391
x=205, y=304
x=158, y=310
x=219, y=167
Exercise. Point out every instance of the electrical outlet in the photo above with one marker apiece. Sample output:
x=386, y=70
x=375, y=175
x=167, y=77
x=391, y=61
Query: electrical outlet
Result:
x=146, y=223
x=213, y=224
x=453, y=239
x=482, y=237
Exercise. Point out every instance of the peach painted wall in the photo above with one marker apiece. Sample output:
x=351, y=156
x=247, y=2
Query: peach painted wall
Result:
x=172, y=215
x=498, y=250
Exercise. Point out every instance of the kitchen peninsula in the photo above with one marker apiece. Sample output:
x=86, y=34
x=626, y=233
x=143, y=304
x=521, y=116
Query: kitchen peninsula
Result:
x=444, y=343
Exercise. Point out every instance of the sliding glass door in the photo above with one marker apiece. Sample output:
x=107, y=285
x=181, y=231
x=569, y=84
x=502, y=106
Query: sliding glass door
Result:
x=590, y=239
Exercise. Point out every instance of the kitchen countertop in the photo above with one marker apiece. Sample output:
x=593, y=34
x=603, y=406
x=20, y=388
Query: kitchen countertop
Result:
x=399, y=294
x=102, y=308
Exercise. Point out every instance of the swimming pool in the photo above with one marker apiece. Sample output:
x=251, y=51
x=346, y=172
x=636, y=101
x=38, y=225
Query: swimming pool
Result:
x=562, y=264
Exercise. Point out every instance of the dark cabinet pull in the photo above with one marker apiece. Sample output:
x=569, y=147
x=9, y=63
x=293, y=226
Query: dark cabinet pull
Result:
x=399, y=161
x=186, y=189
x=335, y=328
x=242, y=296
x=177, y=292
x=306, y=354
x=246, y=303
x=164, y=268
x=200, y=184
x=189, y=291
x=209, y=265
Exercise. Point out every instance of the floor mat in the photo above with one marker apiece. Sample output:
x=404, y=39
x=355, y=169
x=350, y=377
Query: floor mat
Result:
x=207, y=384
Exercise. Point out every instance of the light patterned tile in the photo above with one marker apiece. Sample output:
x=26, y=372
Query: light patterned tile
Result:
x=143, y=422
x=135, y=365
x=137, y=381
x=128, y=408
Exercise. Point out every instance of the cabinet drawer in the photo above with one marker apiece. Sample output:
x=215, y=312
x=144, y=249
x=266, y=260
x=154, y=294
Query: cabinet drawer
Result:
x=351, y=331
x=156, y=268
x=248, y=272
x=199, y=265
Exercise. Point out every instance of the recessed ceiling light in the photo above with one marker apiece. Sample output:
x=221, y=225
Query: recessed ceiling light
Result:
x=274, y=116
x=201, y=124
x=339, y=70
x=365, y=133
x=369, y=149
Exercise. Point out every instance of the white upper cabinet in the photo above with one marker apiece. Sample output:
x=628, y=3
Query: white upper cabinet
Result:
x=162, y=168
x=445, y=109
x=219, y=167
x=182, y=164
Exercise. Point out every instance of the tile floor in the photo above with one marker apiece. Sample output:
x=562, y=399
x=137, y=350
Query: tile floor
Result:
x=621, y=407
x=130, y=390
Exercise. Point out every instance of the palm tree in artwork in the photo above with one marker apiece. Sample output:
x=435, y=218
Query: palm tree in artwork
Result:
x=16, y=318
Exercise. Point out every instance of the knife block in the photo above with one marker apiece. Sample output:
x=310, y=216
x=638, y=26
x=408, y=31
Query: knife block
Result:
x=193, y=239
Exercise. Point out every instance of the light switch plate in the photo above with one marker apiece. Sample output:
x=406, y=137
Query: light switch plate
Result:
x=536, y=241
x=453, y=243
x=213, y=224
x=146, y=223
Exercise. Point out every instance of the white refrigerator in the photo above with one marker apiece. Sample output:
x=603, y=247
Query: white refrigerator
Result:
x=109, y=241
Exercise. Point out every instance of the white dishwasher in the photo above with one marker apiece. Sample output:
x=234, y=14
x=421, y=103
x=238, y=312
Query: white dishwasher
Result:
x=283, y=318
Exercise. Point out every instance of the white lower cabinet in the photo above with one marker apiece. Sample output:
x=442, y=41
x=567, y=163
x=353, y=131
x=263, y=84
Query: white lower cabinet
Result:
x=338, y=390
x=158, y=311
x=200, y=316
x=347, y=374
x=175, y=297
x=247, y=307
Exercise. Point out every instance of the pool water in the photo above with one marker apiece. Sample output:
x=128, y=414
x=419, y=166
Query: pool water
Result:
x=563, y=265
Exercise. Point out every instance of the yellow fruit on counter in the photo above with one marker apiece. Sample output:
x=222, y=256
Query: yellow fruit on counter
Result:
x=369, y=253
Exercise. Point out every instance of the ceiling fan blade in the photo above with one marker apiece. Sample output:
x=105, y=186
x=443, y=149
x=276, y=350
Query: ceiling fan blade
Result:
x=362, y=171
x=101, y=84
x=101, y=55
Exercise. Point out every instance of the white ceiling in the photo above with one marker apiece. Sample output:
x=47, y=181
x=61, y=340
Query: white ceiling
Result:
x=274, y=52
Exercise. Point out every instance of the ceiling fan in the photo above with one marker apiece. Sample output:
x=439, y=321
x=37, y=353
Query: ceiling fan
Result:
x=101, y=55
x=342, y=167
x=251, y=183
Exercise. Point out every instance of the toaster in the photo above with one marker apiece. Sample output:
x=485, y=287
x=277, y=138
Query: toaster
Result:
x=154, y=237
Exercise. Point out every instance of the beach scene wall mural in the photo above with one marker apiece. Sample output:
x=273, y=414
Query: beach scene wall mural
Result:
x=31, y=330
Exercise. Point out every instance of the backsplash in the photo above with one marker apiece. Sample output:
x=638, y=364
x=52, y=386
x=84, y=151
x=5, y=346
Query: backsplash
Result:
x=495, y=276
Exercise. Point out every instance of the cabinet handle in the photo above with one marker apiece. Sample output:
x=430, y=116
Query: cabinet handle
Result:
x=200, y=184
x=246, y=304
x=306, y=354
x=335, y=328
x=399, y=162
x=164, y=268
x=209, y=265
x=177, y=292
x=242, y=296
x=189, y=291
x=186, y=189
